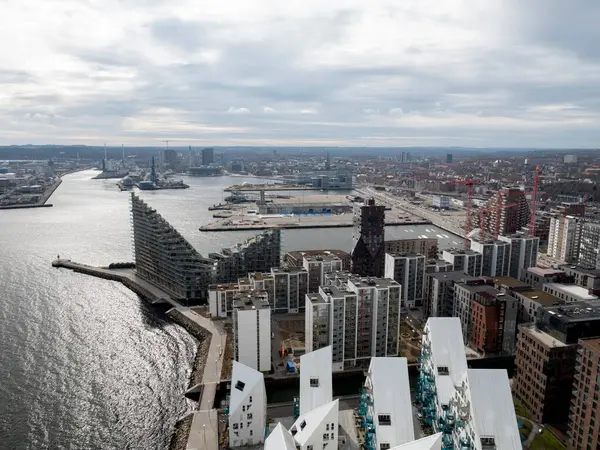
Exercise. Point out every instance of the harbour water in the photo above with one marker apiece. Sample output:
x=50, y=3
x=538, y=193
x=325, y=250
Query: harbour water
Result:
x=84, y=364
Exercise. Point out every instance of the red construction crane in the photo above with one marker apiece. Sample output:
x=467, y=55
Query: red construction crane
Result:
x=534, y=195
x=469, y=184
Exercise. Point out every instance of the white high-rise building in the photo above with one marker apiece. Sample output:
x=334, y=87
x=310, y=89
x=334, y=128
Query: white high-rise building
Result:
x=387, y=402
x=316, y=387
x=472, y=408
x=318, y=429
x=247, y=406
x=564, y=238
x=495, y=256
x=252, y=330
x=408, y=269
x=358, y=317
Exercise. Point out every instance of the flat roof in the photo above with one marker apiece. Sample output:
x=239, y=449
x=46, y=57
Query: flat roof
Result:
x=511, y=282
x=454, y=275
x=544, y=272
x=477, y=288
x=372, y=281
x=224, y=287
x=321, y=257
x=541, y=336
x=572, y=289
x=459, y=251
x=299, y=254
x=576, y=311
x=541, y=297
x=405, y=255
x=246, y=302
x=592, y=272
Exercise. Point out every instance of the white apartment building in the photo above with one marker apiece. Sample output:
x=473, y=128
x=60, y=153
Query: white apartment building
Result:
x=280, y=439
x=472, y=408
x=408, y=269
x=469, y=261
x=565, y=237
x=252, y=330
x=358, y=317
x=318, y=429
x=286, y=289
x=441, y=201
x=247, y=406
x=495, y=256
x=316, y=388
x=387, y=403
x=319, y=265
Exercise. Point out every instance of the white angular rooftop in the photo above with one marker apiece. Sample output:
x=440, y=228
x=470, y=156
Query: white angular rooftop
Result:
x=492, y=407
x=244, y=380
x=447, y=352
x=433, y=442
x=315, y=379
x=389, y=382
x=280, y=439
x=308, y=427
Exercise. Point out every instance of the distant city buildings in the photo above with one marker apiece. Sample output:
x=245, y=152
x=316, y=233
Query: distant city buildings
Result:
x=368, y=255
x=570, y=159
x=208, y=156
x=333, y=179
x=440, y=202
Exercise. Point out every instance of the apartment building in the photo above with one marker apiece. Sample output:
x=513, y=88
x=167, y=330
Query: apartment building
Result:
x=565, y=237
x=296, y=258
x=495, y=256
x=464, y=295
x=164, y=258
x=509, y=212
x=587, y=278
x=359, y=318
x=317, y=266
x=247, y=407
x=494, y=320
x=252, y=330
x=469, y=261
x=589, y=249
x=425, y=246
x=523, y=252
x=584, y=425
x=538, y=276
x=285, y=287
x=368, y=255
x=408, y=269
x=570, y=293
x=457, y=401
x=546, y=358
x=439, y=297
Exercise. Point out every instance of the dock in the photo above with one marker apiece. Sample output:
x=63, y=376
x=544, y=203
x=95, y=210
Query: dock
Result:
x=269, y=188
x=204, y=424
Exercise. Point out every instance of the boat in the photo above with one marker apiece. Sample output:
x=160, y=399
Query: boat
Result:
x=126, y=183
x=236, y=198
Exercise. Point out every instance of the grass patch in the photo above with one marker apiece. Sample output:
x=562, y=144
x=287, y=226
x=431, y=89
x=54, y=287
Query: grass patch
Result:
x=546, y=441
x=520, y=410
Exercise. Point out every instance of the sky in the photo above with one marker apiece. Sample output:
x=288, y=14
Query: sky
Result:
x=473, y=73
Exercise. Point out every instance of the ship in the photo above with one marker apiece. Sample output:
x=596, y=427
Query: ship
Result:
x=237, y=198
x=126, y=183
x=154, y=182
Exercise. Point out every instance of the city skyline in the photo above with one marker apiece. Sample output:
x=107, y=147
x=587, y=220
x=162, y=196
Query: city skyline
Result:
x=270, y=74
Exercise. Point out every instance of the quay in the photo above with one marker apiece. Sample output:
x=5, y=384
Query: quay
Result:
x=203, y=426
x=270, y=187
x=41, y=203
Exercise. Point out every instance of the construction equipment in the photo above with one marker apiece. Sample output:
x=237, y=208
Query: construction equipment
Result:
x=468, y=225
x=534, y=195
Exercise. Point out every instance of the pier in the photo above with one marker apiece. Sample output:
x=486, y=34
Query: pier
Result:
x=204, y=424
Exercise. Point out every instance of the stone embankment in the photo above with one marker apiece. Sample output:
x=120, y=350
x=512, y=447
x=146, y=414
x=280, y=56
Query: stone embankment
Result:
x=180, y=434
x=203, y=336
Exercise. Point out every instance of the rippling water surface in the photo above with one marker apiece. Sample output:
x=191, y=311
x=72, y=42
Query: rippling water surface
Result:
x=84, y=364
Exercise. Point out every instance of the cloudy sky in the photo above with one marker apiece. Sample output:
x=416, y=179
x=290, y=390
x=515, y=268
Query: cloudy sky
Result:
x=477, y=73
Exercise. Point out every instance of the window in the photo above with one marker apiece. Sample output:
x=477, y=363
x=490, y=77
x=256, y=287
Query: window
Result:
x=314, y=382
x=309, y=447
x=235, y=426
x=384, y=446
x=239, y=385
x=250, y=399
x=250, y=432
x=302, y=425
x=249, y=416
x=325, y=436
x=384, y=419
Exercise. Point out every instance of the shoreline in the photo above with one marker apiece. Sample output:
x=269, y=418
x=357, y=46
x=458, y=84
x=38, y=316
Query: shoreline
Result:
x=295, y=226
x=180, y=315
